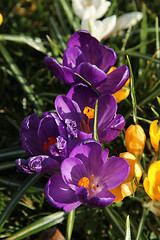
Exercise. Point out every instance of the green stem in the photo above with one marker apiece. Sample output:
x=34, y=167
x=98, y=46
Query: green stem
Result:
x=95, y=134
x=70, y=224
x=142, y=221
x=133, y=96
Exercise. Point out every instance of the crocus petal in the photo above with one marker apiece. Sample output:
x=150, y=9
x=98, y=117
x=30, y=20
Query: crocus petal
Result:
x=102, y=199
x=68, y=109
x=107, y=108
x=73, y=170
x=63, y=73
x=72, y=57
x=115, y=81
x=22, y=166
x=128, y=20
x=114, y=171
x=29, y=137
x=43, y=164
x=99, y=29
x=59, y=194
x=47, y=128
x=91, y=73
x=112, y=130
x=88, y=152
x=83, y=95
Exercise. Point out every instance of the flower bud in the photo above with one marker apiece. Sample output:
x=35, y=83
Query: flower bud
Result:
x=135, y=140
x=127, y=187
x=154, y=132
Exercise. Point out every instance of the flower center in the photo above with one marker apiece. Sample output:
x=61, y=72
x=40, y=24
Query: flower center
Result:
x=51, y=141
x=87, y=183
x=87, y=4
x=89, y=112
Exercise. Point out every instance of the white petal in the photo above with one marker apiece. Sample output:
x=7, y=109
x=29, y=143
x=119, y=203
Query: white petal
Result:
x=127, y=20
x=99, y=29
x=90, y=8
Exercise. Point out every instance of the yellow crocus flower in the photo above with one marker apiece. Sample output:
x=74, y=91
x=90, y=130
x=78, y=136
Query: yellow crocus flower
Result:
x=152, y=182
x=127, y=187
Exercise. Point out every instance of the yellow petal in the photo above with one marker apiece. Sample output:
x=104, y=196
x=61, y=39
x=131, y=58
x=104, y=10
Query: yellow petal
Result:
x=135, y=140
x=1, y=18
x=154, y=132
x=152, y=182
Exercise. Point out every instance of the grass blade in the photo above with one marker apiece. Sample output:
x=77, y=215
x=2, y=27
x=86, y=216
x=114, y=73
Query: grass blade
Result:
x=70, y=224
x=39, y=225
x=133, y=95
x=29, y=92
x=18, y=194
x=34, y=43
x=95, y=134
x=128, y=231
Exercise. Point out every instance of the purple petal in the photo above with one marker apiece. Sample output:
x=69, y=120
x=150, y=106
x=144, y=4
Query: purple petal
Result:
x=113, y=172
x=107, y=58
x=68, y=109
x=115, y=80
x=72, y=57
x=81, y=194
x=91, y=73
x=86, y=43
x=89, y=153
x=102, y=199
x=107, y=108
x=83, y=95
x=112, y=130
x=47, y=128
x=104, y=155
x=73, y=170
x=43, y=164
x=59, y=194
x=29, y=137
x=22, y=166
x=63, y=73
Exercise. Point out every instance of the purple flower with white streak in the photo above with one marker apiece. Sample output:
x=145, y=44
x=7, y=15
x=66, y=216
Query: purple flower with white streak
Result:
x=86, y=178
x=77, y=110
x=45, y=140
x=88, y=58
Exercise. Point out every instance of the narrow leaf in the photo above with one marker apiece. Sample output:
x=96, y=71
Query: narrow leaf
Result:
x=95, y=134
x=70, y=224
x=128, y=231
x=39, y=225
x=18, y=194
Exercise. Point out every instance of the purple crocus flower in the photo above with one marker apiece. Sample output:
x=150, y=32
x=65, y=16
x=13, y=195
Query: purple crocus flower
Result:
x=45, y=141
x=86, y=178
x=88, y=58
x=77, y=110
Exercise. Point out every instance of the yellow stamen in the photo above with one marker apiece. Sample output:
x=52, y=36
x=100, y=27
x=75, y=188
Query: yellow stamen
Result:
x=84, y=182
x=89, y=112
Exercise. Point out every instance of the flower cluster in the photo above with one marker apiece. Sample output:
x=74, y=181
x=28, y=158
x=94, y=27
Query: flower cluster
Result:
x=90, y=10
x=63, y=142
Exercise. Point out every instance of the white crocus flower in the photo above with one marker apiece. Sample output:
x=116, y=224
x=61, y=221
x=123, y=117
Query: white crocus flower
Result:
x=128, y=20
x=110, y=26
x=99, y=29
x=94, y=9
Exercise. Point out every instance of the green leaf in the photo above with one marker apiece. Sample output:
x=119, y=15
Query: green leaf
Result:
x=34, y=43
x=133, y=95
x=95, y=134
x=39, y=225
x=128, y=231
x=18, y=194
x=21, y=79
x=70, y=224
